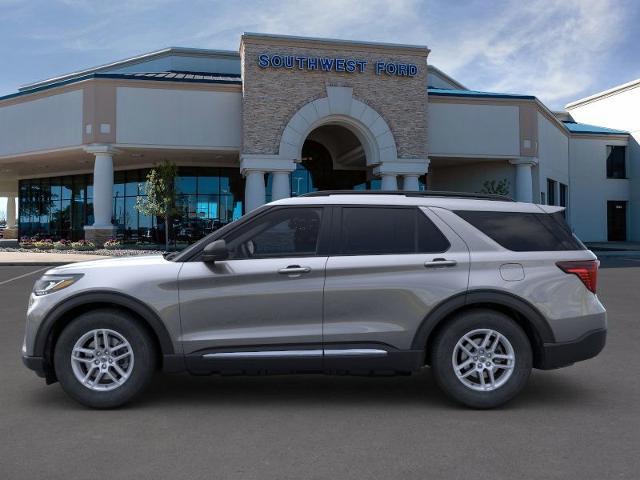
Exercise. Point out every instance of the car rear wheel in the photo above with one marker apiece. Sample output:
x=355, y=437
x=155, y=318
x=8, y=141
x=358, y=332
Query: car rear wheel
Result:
x=104, y=358
x=482, y=358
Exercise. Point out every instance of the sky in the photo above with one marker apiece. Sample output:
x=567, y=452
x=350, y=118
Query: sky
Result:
x=558, y=50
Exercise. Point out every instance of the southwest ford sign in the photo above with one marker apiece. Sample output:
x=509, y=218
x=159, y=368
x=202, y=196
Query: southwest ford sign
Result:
x=331, y=64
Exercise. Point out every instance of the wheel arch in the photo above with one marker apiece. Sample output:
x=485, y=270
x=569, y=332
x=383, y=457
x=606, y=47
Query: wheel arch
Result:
x=61, y=315
x=526, y=315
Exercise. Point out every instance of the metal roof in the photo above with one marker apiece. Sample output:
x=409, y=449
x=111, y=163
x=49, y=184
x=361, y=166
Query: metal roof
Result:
x=575, y=127
x=187, y=77
x=444, y=92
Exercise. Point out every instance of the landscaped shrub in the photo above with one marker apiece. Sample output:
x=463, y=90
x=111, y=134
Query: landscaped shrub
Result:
x=26, y=242
x=62, y=245
x=83, y=245
x=112, y=244
x=43, y=244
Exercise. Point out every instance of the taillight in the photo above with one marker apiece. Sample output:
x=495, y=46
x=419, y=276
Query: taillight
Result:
x=585, y=270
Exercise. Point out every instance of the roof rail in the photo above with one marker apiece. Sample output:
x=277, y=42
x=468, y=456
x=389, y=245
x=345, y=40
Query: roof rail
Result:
x=425, y=193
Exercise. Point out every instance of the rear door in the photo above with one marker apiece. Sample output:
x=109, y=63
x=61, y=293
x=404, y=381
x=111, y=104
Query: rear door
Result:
x=389, y=267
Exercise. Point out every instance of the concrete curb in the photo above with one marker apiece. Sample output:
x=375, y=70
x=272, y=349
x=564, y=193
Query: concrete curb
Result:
x=33, y=264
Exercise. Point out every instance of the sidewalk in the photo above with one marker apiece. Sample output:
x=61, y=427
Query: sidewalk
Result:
x=44, y=259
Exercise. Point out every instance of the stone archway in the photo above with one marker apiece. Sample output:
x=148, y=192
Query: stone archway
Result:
x=340, y=108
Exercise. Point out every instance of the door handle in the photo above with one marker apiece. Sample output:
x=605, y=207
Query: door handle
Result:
x=294, y=270
x=440, y=263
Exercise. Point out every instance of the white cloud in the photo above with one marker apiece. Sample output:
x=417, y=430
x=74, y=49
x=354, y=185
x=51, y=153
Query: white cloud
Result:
x=555, y=49
x=548, y=48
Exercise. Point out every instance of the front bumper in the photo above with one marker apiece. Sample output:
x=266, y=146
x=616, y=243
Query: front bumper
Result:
x=556, y=355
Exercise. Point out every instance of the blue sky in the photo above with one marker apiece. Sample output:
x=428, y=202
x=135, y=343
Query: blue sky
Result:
x=557, y=50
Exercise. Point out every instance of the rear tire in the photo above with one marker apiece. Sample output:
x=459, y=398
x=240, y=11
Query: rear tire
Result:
x=104, y=358
x=481, y=358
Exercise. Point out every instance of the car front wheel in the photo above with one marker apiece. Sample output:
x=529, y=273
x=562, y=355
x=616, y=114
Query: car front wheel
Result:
x=482, y=358
x=104, y=358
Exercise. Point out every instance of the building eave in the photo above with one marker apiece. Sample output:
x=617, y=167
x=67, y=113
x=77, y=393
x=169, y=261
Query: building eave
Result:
x=603, y=94
x=114, y=76
x=131, y=61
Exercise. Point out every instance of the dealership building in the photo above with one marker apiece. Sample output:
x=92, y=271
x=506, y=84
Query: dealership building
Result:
x=288, y=115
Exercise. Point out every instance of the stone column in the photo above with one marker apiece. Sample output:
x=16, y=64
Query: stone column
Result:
x=411, y=183
x=11, y=232
x=253, y=167
x=409, y=169
x=254, y=190
x=389, y=182
x=102, y=228
x=11, y=211
x=524, y=178
x=281, y=186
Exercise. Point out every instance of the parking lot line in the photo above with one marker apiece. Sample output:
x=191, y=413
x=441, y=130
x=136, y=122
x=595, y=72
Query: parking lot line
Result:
x=23, y=275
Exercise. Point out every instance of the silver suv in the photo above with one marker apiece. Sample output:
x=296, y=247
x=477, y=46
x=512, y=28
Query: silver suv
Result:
x=479, y=288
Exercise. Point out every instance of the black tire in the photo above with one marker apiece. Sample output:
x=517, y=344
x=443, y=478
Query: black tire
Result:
x=443, y=348
x=142, y=345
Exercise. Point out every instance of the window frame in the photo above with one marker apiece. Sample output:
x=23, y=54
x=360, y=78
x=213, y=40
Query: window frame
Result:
x=323, y=234
x=338, y=233
x=625, y=173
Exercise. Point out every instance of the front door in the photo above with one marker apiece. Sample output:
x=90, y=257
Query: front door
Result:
x=262, y=308
x=617, y=221
x=392, y=266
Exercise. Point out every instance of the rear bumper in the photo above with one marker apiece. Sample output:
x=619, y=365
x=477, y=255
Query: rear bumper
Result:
x=556, y=355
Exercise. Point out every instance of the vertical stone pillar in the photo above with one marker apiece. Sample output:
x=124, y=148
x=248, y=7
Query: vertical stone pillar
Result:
x=11, y=232
x=254, y=192
x=411, y=183
x=389, y=182
x=102, y=228
x=524, y=178
x=281, y=186
x=11, y=212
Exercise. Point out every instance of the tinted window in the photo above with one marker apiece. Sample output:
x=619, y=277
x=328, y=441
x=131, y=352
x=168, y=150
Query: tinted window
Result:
x=377, y=231
x=430, y=239
x=524, y=232
x=286, y=232
x=616, y=163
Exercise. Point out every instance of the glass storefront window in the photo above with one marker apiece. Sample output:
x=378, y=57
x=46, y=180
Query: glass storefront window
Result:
x=59, y=207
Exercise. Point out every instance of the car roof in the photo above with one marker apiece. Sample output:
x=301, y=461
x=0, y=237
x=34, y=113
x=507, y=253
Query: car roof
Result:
x=449, y=201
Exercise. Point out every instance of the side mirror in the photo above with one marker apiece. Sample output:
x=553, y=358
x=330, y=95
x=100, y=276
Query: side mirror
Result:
x=215, y=251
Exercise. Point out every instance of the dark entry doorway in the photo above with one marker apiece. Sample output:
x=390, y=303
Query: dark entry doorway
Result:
x=617, y=221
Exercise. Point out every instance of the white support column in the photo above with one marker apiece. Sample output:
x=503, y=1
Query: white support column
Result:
x=524, y=178
x=102, y=228
x=389, y=182
x=253, y=167
x=411, y=183
x=11, y=212
x=409, y=169
x=281, y=186
x=254, y=192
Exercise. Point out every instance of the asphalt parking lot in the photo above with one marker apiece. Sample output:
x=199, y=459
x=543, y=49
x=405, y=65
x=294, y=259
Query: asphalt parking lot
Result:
x=582, y=422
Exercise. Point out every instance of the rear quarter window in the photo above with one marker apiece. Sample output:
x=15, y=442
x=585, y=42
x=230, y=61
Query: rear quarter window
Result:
x=524, y=232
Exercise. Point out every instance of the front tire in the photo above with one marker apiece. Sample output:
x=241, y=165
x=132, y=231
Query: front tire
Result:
x=104, y=358
x=481, y=358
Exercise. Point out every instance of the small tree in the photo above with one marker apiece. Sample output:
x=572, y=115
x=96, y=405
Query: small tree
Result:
x=492, y=187
x=160, y=200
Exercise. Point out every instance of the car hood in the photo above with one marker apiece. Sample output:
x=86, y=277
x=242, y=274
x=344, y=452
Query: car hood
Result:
x=108, y=263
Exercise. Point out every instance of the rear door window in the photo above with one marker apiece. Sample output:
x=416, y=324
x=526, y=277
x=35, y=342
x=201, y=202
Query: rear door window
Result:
x=524, y=232
x=388, y=230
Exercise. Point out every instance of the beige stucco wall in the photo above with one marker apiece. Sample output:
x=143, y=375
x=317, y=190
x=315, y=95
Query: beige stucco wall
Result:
x=272, y=96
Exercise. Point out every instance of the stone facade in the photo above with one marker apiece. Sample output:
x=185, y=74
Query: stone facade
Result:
x=272, y=96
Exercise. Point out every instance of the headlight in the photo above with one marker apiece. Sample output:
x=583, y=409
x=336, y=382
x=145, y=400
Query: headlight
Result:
x=52, y=283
